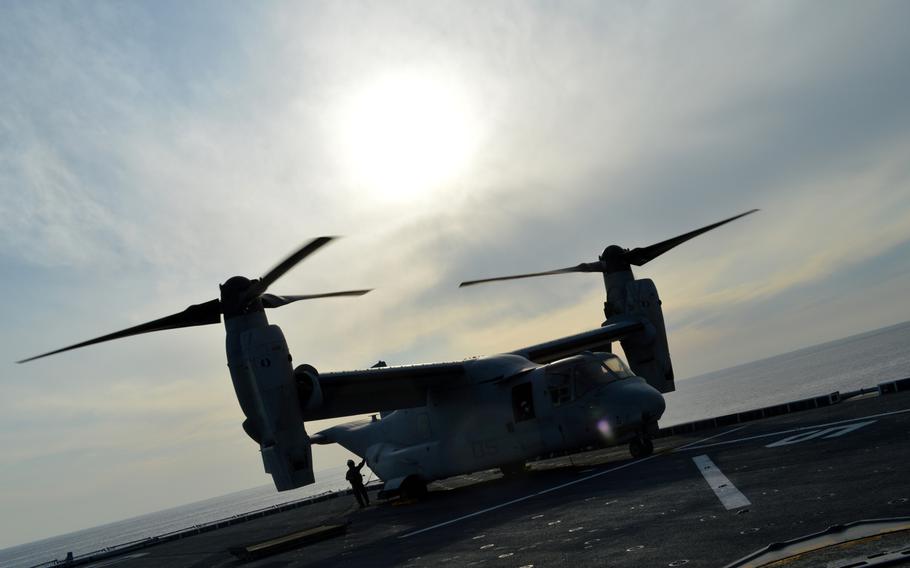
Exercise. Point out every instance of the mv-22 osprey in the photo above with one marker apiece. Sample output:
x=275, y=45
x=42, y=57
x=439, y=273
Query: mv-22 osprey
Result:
x=444, y=419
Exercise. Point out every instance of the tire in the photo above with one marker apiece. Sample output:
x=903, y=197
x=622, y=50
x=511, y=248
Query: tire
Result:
x=513, y=469
x=413, y=488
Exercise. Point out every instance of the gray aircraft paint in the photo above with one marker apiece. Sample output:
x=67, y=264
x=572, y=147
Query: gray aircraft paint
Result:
x=445, y=419
x=477, y=427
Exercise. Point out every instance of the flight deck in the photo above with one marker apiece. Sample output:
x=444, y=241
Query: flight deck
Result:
x=705, y=498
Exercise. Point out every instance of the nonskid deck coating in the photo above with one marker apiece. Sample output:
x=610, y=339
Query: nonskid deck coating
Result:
x=603, y=508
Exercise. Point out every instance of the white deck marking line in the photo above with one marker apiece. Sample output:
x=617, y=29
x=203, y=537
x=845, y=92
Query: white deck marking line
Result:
x=700, y=446
x=824, y=433
x=730, y=497
x=703, y=440
x=545, y=491
x=526, y=497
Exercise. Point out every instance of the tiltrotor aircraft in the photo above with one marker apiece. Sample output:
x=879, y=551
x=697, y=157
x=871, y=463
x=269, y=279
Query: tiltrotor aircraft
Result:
x=444, y=419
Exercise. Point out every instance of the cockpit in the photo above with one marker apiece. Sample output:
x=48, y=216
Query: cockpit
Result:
x=574, y=377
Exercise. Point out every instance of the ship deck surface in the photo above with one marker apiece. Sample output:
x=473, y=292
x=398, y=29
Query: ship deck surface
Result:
x=800, y=473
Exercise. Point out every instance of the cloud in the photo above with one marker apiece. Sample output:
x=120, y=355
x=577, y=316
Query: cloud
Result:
x=144, y=158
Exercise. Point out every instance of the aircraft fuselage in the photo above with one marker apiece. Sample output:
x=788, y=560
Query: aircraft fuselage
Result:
x=506, y=411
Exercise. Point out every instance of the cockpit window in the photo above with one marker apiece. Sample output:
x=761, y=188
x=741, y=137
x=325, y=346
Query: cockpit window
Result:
x=616, y=367
x=591, y=373
x=575, y=377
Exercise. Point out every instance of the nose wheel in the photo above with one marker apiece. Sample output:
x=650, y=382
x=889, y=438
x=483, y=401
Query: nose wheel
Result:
x=641, y=447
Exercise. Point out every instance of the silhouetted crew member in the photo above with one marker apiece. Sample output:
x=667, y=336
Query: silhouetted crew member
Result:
x=356, y=480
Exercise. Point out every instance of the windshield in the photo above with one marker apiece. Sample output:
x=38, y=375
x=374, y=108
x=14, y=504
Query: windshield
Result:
x=614, y=366
x=599, y=370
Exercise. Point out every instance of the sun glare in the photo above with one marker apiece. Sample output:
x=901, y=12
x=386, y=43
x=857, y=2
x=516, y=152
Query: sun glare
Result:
x=406, y=135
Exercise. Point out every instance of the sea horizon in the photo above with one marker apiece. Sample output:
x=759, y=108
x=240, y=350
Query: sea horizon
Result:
x=860, y=360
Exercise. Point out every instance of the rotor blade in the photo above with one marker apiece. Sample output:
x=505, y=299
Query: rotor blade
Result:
x=197, y=314
x=583, y=267
x=274, y=274
x=276, y=301
x=642, y=255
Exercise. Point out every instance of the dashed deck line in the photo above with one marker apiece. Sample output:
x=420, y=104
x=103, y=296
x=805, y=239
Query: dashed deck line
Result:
x=730, y=497
x=550, y=489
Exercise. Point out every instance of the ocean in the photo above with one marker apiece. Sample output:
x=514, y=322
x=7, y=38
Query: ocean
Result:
x=166, y=521
x=862, y=360
x=851, y=363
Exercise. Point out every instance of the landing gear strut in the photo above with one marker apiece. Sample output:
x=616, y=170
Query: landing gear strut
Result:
x=641, y=447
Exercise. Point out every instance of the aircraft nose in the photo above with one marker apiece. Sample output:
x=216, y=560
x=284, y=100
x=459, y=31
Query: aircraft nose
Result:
x=652, y=404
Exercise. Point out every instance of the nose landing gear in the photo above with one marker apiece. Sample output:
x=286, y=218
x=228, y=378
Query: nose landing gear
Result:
x=641, y=447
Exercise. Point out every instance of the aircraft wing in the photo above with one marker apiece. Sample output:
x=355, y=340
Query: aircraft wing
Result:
x=585, y=341
x=346, y=393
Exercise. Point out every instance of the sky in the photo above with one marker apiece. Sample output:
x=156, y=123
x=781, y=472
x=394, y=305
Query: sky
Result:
x=151, y=150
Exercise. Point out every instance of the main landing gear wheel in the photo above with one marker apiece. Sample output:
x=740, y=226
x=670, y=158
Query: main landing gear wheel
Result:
x=414, y=488
x=513, y=469
x=641, y=447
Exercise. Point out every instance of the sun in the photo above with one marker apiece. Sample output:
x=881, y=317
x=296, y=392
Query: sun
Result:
x=407, y=134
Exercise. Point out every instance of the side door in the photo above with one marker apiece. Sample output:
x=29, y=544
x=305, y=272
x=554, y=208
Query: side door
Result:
x=565, y=427
x=525, y=426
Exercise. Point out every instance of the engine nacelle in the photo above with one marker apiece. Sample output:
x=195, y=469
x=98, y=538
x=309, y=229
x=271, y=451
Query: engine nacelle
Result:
x=309, y=391
x=260, y=365
x=647, y=351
